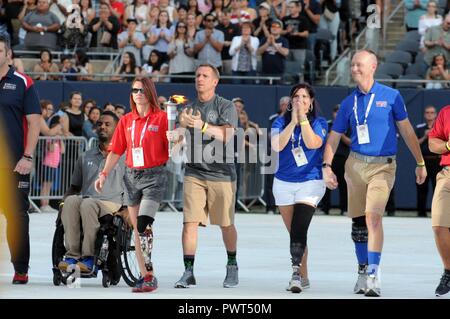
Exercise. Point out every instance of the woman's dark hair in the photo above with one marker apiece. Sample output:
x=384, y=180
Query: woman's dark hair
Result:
x=49, y=55
x=433, y=63
x=213, y=8
x=312, y=114
x=86, y=102
x=168, y=24
x=93, y=109
x=176, y=35
x=123, y=67
x=81, y=57
x=157, y=65
x=54, y=121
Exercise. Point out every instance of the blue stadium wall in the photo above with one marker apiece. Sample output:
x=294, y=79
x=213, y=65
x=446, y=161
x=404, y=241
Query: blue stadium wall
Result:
x=260, y=103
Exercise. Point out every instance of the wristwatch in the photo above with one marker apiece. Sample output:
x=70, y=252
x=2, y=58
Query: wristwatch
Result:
x=325, y=165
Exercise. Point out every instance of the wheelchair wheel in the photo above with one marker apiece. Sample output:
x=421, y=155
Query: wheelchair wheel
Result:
x=126, y=254
x=58, y=249
x=57, y=278
x=106, y=281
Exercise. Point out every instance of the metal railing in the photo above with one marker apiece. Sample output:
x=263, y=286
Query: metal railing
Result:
x=388, y=19
x=334, y=65
x=111, y=55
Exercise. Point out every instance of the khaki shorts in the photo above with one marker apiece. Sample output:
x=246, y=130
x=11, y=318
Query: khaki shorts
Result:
x=368, y=186
x=203, y=198
x=440, y=208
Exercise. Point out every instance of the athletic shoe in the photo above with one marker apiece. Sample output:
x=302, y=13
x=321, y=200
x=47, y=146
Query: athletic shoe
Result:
x=361, y=283
x=295, y=284
x=187, y=280
x=48, y=209
x=305, y=283
x=373, y=287
x=66, y=262
x=231, y=279
x=20, y=278
x=444, y=285
x=147, y=284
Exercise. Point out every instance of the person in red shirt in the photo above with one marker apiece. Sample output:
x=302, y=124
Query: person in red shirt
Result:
x=439, y=143
x=142, y=134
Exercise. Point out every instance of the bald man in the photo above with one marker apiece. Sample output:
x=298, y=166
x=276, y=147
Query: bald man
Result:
x=373, y=112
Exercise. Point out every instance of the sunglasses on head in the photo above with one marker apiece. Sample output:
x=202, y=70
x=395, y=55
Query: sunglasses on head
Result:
x=136, y=91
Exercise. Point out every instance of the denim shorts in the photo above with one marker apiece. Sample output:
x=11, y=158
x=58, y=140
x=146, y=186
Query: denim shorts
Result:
x=146, y=183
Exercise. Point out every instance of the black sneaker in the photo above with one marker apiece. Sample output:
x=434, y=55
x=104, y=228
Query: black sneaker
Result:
x=444, y=284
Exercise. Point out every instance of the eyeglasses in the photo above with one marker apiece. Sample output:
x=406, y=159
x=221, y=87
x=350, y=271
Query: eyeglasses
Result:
x=136, y=91
x=275, y=26
x=210, y=20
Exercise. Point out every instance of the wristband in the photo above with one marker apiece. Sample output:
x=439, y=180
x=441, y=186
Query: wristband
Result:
x=325, y=165
x=447, y=146
x=204, y=127
x=421, y=164
x=304, y=122
x=103, y=173
x=28, y=157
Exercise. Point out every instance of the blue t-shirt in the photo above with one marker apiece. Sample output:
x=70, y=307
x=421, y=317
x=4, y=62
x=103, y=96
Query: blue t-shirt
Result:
x=287, y=169
x=387, y=108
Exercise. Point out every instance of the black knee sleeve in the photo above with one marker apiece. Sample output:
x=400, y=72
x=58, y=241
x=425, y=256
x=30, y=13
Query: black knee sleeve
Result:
x=299, y=230
x=360, y=233
x=143, y=221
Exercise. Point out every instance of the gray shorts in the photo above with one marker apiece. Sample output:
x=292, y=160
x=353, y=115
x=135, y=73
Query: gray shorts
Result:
x=147, y=183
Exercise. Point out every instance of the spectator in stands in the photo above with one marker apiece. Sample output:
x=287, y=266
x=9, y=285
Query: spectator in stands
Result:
x=164, y=5
x=250, y=10
x=243, y=50
x=67, y=67
x=153, y=16
x=16, y=62
x=138, y=11
x=330, y=20
x=229, y=31
x=87, y=11
x=104, y=29
x=59, y=8
x=414, y=10
x=192, y=27
x=296, y=32
x=181, y=54
x=54, y=148
x=181, y=14
x=204, y=6
x=41, y=26
x=46, y=65
x=428, y=20
x=83, y=66
x=193, y=9
x=274, y=50
x=116, y=7
x=90, y=125
x=155, y=66
x=74, y=30
x=120, y=110
x=47, y=110
x=438, y=71
x=262, y=22
x=217, y=9
x=437, y=41
x=87, y=106
x=132, y=40
x=238, y=15
x=161, y=102
x=109, y=106
x=75, y=114
x=312, y=11
x=277, y=8
x=128, y=67
x=161, y=35
x=29, y=6
x=209, y=43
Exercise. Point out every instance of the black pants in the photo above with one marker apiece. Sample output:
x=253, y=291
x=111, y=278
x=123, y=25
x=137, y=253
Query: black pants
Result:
x=17, y=227
x=270, y=200
x=338, y=167
x=433, y=167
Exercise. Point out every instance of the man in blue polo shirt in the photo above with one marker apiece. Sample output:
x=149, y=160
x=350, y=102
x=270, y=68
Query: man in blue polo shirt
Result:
x=373, y=112
x=20, y=116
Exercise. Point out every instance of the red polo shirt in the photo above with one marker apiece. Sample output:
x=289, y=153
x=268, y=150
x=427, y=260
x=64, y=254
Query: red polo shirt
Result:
x=154, y=144
x=441, y=130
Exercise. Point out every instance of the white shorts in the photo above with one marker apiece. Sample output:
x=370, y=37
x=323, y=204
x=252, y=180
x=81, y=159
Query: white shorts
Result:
x=288, y=193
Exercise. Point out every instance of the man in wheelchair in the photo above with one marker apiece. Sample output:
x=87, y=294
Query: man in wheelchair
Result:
x=84, y=208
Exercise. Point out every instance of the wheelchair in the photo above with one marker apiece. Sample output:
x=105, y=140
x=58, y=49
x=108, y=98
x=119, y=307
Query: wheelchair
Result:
x=114, y=252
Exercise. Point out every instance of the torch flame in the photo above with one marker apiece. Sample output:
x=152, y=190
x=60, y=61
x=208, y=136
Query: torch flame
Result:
x=179, y=99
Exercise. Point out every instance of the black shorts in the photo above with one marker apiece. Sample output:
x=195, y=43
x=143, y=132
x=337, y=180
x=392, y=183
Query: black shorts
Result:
x=146, y=183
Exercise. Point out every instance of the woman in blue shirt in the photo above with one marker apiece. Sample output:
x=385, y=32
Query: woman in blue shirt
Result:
x=299, y=138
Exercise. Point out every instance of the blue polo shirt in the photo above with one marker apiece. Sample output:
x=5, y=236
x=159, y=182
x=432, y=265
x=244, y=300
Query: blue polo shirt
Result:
x=287, y=169
x=388, y=107
x=18, y=98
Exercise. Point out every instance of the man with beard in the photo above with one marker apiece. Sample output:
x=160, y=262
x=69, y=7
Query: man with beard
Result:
x=83, y=206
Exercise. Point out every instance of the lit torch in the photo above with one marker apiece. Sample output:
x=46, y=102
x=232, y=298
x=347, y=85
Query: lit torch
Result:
x=171, y=108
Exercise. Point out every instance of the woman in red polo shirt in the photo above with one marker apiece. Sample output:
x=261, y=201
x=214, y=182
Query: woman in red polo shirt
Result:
x=142, y=134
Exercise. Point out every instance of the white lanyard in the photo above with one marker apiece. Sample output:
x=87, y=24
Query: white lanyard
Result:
x=142, y=133
x=369, y=106
x=293, y=139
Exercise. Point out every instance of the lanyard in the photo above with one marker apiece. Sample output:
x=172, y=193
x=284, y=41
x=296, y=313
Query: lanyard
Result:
x=142, y=133
x=293, y=139
x=369, y=106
